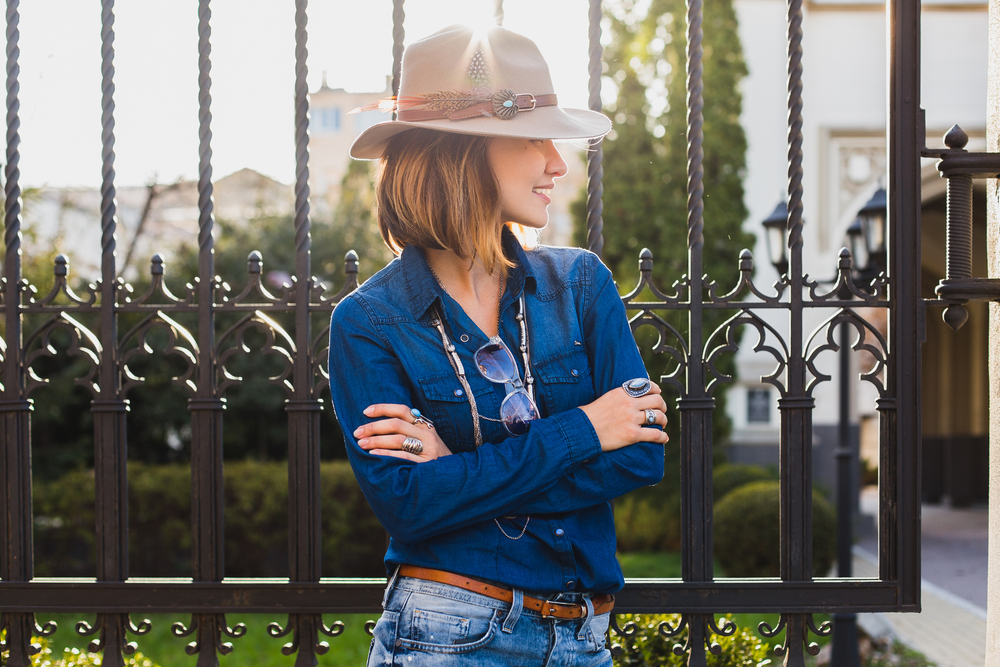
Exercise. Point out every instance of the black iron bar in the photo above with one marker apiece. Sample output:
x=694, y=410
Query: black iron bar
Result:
x=845, y=627
x=595, y=155
x=899, y=465
x=108, y=409
x=365, y=595
x=15, y=514
x=398, y=36
x=303, y=408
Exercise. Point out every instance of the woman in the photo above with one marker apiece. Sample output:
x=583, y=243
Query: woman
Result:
x=492, y=397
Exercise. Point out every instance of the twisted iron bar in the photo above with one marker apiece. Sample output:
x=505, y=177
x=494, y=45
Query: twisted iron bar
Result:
x=302, y=223
x=595, y=157
x=398, y=35
x=12, y=171
x=206, y=219
x=109, y=221
x=695, y=149
x=795, y=135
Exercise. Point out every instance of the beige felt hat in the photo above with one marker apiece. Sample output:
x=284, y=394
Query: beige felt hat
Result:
x=491, y=83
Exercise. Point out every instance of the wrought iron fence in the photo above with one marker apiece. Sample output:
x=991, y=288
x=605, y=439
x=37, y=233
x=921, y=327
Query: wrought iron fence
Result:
x=92, y=318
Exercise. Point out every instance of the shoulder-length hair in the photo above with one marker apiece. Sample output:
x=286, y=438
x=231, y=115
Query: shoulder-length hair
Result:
x=437, y=190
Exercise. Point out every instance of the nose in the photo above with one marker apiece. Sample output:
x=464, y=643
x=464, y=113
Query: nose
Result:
x=555, y=164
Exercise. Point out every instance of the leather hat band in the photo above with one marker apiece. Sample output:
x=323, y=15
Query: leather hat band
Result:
x=505, y=107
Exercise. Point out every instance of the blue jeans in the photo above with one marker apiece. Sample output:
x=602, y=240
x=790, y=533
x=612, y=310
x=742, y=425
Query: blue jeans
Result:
x=427, y=623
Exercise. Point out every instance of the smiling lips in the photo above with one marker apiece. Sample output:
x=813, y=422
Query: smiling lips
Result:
x=543, y=193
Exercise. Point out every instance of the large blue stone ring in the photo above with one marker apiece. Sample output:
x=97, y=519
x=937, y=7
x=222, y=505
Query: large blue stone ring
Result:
x=637, y=387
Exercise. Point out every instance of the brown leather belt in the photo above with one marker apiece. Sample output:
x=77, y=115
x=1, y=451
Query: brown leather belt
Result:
x=602, y=603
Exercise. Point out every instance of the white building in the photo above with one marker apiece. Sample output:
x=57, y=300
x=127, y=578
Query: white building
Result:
x=845, y=98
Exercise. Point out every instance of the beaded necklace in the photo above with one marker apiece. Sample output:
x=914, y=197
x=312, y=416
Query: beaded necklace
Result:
x=459, y=368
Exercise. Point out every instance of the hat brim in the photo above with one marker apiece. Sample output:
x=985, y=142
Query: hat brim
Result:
x=541, y=123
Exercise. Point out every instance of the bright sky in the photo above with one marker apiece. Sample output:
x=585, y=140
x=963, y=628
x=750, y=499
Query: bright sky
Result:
x=253, y=51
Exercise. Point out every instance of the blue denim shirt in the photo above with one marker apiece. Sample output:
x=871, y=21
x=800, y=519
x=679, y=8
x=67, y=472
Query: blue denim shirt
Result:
x=440, y=514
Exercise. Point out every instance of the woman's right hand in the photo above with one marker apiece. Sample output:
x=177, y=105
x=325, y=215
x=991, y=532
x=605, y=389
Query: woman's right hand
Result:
x=619, y=418
x=395, y=423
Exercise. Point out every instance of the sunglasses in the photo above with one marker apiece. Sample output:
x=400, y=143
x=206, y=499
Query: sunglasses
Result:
x=496, y=363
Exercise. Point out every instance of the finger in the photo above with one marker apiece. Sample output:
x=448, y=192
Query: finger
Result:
x=650, y=401
x=397, y=454
x=652, y=435
x=394, y=441
x=659, y=419
x=386, y=427
x=388, y=410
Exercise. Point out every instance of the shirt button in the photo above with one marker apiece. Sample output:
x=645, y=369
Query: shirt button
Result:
x=570, y=584
x=560, y=532
x=574, y=372
x=464, y=338
x=459, y=392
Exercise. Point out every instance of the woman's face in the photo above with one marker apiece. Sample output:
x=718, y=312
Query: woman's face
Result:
x=526, y=170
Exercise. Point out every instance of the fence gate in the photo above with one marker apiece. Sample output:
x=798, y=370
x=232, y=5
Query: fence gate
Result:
x=92, y=320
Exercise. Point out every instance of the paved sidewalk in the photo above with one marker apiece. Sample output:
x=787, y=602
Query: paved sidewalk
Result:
x=949, y=630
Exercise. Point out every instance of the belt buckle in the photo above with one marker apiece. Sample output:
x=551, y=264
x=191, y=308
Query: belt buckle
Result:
x=520, y=108
x=549, y=608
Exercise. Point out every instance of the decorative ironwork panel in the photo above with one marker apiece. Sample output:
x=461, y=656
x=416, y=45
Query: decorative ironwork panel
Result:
x=189, y=329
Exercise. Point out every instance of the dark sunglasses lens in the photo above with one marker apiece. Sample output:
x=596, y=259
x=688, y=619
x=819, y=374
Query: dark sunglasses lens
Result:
x=516, y=411
x=495, y=363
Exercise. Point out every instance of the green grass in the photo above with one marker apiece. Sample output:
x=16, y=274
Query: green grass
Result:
x=255, y=649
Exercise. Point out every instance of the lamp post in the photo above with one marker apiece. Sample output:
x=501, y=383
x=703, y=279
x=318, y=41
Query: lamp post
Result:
x=866, y=241
x=774, y=235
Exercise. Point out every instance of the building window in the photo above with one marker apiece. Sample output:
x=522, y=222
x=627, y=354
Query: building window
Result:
x=365, y=119
x=325, y=120
x=758, y=406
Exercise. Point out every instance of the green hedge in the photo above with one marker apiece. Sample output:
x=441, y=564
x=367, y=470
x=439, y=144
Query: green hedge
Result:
x=648, y=648
x=747, y=532
x=256, y=516
x=649, y=519
x=46, y=657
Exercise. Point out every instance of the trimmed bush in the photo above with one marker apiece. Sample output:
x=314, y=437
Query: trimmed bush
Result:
x=648, y=648
x=256, y=521
x=747, y=532
x=731, y=476
x=649, y=519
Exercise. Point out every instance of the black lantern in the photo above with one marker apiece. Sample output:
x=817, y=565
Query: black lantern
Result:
x=857, y=245
x=873, y=216
x=774, y=230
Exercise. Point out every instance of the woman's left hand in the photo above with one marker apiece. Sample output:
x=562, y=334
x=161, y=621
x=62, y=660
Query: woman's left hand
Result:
x=385, y=437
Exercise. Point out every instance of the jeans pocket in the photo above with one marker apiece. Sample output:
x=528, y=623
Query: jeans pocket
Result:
x=448, y=629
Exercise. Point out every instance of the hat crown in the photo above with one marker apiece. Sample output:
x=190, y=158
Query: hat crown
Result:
x=459, y=59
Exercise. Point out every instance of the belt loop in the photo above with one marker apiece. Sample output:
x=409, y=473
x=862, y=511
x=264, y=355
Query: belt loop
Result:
x=515, y=611
x=581, y=635
x=392, y=582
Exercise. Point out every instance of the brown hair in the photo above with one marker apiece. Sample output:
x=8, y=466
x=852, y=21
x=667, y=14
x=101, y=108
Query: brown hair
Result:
x=437, y=190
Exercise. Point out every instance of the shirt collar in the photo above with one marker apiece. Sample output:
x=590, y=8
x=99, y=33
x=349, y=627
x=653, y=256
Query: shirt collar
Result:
x=423, y=290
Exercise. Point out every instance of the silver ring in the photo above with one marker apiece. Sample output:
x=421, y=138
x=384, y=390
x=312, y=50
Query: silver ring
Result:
x=418, y=418
x=650, y=417
x=636, y=387
x=412, y=446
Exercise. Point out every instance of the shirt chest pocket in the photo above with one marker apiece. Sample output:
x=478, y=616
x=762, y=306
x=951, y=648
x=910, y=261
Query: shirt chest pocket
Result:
x=447, y=405
x=566, y=380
